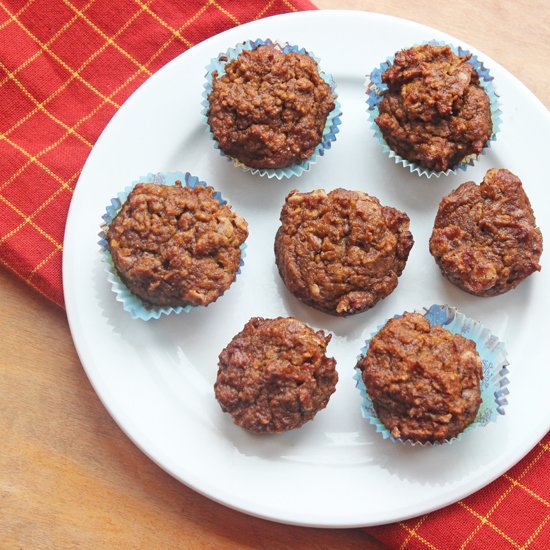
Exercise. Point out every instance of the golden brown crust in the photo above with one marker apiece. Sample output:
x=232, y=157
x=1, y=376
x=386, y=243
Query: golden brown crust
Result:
x=485, y=238
x=341, y=252
x=424, y=381
x=176, y=246
x=269, y=108
x=274, y=375
x=434, y=112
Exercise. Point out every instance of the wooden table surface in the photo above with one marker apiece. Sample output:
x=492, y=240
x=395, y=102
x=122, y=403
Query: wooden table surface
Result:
x=69, y=478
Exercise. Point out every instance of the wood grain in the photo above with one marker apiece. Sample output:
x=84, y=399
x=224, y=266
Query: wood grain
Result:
x=69, y=478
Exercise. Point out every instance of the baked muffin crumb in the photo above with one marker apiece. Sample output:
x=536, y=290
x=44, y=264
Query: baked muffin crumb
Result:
x=423, y=380
x=269, y=108
x=175, y=246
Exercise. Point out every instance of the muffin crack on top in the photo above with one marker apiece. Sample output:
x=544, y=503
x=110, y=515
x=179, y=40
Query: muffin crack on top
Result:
x=435, y=111
x=269, y=108
x=423, y=380
x=342, y=251
x=274, y=375
x=485, y=238
x=176, y=246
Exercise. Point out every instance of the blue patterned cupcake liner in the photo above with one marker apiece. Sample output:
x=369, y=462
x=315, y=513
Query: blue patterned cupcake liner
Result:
x=331, y=124
x=493, y=386
x=376, y=88
x=134, y=305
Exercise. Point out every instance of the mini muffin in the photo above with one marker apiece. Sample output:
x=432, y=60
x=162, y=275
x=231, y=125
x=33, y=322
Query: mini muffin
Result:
x=435, y=111
x=341, y=252
x=485, y=238
x=176, y=246
x=274, y=375
x=423, y=380
x=269, y=108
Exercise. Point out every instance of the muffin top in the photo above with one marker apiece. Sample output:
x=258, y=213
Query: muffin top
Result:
x=435, y=112
x=423, y=381
x=485, y=238
x=176, y=246
x=269, y=108
x=341, y=252
x=274, y=375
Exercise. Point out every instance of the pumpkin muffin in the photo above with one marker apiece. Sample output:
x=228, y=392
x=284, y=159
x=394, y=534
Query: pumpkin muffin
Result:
x=485, y=238
x=274, y=375
x=341, y=252
x=435, y=111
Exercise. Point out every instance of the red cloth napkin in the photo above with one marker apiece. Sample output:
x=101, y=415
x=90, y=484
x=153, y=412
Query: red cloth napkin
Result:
x=66, y=66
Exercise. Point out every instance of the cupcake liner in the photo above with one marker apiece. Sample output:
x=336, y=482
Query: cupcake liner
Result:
x=331, y=124
x=494, y=386
x=131, y=303
x=375, y=89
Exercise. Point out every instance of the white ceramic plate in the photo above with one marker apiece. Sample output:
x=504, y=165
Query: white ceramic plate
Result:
x=156, y=378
